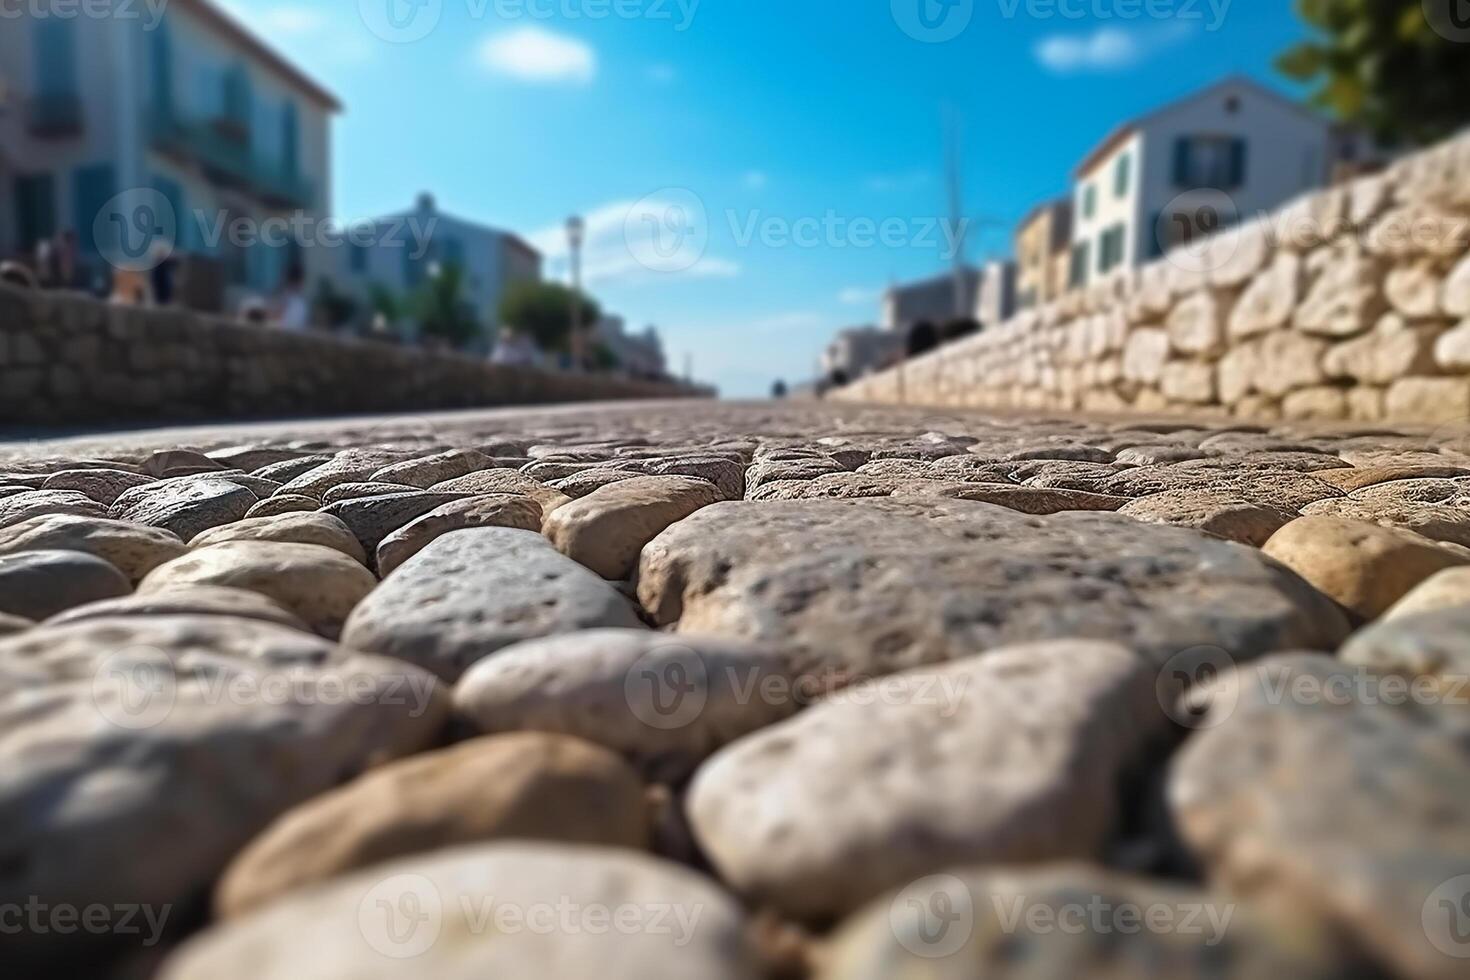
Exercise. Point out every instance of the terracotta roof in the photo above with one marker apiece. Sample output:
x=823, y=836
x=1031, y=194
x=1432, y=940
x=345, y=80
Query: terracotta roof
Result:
x=232, y=28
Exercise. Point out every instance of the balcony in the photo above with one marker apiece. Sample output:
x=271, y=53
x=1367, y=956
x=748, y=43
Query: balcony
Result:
x=224, y=153
x=52, y=117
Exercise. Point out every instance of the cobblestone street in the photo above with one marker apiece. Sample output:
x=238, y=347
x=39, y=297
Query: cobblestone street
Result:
x=750, y=690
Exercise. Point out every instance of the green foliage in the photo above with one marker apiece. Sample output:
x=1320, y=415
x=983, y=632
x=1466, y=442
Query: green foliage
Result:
x=604, y=359
x=442, y=311
x=1383, y=65
x=384, y=301
x=543, y=312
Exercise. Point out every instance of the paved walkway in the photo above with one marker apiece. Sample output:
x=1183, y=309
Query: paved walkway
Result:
x=782, y=690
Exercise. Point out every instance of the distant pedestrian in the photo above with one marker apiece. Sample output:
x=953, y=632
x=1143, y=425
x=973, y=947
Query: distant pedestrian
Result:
x=162, y=277
x=293, y=311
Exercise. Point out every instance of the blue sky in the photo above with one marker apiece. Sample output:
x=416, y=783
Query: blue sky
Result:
x=782, y=133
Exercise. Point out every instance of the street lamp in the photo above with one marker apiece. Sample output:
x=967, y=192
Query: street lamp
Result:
x=576, y=234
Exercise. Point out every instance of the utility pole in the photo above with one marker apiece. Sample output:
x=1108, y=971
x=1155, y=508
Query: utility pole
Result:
x=576, y=232
x=953, y=135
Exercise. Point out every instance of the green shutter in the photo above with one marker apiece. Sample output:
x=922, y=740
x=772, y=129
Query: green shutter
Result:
x=1121, y=175
x=1237, y=163
x=56, y=57
x=1181, y=163
x=35, y=209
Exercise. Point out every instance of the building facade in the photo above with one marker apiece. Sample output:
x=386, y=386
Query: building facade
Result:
x=996, y=302
x=639, y=355
x=188, y=105
x=857, y=351
x=1229, y=152
x=400, y=252
x=1043, y=253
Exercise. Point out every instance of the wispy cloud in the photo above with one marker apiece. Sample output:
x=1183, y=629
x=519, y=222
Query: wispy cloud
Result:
x=534, y=54
x=1105, y=49
x=858, y=296
x=615, y=249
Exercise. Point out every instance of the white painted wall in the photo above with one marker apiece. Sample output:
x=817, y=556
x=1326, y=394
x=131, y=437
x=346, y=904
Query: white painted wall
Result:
x=1111, y=209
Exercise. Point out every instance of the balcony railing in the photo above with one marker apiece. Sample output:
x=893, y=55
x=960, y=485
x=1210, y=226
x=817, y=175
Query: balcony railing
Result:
x=226, y=156
x=54, y=116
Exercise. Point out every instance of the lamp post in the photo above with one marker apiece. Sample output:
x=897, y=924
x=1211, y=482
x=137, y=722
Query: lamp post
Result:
x=576, y=234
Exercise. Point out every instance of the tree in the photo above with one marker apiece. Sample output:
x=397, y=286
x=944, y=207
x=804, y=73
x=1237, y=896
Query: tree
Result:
x=543, y=311
x=1400, y=68
x=441, y=308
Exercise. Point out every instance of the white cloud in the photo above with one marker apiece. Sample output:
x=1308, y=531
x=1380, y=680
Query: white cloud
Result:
x=662, y=74
x=613, y=245
x=1106, y=49
x=755, y=180
x=858, y=296
x=534, y=54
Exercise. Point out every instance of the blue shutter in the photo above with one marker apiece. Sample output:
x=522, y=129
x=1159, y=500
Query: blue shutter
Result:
x=161, y=58
x=290, y=140
x=1237, y=163
x=56, y=57
x=1181, y=163
x=92, y=188
x=35, y=209
x=174, y=195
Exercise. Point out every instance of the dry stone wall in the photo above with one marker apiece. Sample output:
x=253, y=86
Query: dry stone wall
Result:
x=67, y=359
x=1348, y=304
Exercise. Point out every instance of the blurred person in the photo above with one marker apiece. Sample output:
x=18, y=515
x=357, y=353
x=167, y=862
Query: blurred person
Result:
x=253, y=310
x=45, y=270
x=17, y=274
x=68, y=268
x=130, y=288
x=293, y=312
x=514, y=349
x=162, y=277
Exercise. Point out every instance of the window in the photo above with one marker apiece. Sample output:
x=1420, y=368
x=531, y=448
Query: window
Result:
x=1121, y=174
x=1089, y=201
x=1110, y=254
x=357, y=259
x=1217, y=162
x=239, y=102
x=453, y=253
x=35, y=209
x=1081, y=261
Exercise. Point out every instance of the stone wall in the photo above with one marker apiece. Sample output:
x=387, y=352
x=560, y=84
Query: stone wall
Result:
x=67, y=359
x=1352, y=303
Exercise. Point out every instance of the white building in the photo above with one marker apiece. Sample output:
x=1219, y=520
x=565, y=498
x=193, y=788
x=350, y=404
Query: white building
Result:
x=1216, y=157
x=400, y=251
x=188, y=104
x=996, y=302
x=857, y=351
